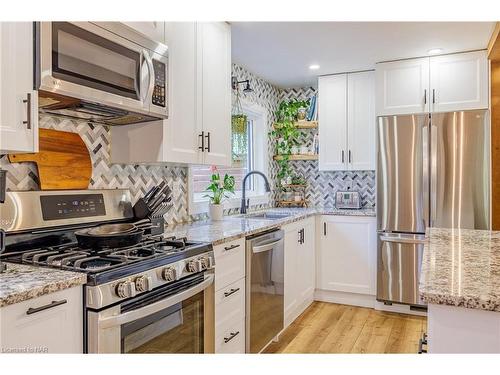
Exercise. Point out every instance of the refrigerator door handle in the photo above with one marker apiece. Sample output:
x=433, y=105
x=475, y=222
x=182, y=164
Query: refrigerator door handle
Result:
x=433, y=173
x=425, y=172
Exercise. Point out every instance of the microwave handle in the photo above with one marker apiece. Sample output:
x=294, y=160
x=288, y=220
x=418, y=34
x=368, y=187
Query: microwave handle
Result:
x=151, y=73
x=117, y=320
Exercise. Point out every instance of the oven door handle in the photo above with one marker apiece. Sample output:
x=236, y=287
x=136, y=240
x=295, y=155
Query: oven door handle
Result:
x=117, y=320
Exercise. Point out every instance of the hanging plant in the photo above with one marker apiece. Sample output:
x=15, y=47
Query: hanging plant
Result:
x=238, y=118
x=239, y=131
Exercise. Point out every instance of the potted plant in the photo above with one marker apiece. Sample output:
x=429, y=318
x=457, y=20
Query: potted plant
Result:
x=218, y=190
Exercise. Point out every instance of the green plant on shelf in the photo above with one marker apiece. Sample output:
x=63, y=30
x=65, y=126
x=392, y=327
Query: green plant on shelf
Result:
x=286, y=133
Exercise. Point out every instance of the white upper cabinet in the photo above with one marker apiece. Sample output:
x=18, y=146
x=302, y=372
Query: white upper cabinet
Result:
x=347, y=122
x=18, y=100
x=154, y=30
x=332, y=111
x=402, y=87
x=215, y=51
x=454, y=82
x=183, y=124
x=459, y=81
x=361, y=121
x=198, y=129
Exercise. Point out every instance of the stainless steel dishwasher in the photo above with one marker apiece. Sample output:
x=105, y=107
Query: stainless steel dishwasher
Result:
x=264, y=289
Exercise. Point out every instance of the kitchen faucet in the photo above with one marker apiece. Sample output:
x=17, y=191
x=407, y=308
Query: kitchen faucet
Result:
x=244, y=205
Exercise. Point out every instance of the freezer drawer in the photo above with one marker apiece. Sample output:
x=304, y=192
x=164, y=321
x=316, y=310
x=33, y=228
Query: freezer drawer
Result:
x=399, y=261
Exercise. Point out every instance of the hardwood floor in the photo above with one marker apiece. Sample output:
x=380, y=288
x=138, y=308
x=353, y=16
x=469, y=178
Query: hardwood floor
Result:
x=332, y=328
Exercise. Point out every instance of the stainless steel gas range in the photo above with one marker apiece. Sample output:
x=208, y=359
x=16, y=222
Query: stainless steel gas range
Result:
x=152, y=296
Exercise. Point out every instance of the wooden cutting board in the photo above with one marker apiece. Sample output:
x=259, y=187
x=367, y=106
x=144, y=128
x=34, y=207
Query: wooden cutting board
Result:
x=63, y=161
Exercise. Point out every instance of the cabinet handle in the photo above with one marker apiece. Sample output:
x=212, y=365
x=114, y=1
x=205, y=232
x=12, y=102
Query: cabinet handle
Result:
x=425, y=96
x=28, y=111
x=342, y=156
x=231, y=336
x=350, y=156
x=202, y=136
x=227, y=248
x=231, y=292
x=324, y=229
x=208, y=141
x=33, y=310
x=433, y=96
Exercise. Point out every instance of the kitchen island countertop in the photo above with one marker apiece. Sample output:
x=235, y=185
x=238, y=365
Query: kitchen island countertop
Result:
x=237, y=226
x=21, y=282
x=461, y=267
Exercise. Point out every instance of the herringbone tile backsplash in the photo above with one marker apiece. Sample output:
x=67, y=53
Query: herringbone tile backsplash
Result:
x=139, y=178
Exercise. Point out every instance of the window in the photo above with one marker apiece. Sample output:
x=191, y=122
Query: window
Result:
x=249, y=152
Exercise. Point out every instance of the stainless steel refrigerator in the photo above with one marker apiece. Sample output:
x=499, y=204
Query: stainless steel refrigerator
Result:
x=432, y=170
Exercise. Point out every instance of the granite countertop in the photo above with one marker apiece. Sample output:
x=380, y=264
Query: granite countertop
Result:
x=234, y=227
x=461, y=267
x=22, y=282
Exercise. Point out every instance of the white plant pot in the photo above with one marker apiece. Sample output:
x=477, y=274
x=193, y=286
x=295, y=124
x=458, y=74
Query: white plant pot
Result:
x=216, y=211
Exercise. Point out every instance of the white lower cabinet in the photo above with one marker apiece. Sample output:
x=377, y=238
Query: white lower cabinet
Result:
x=346, y=259
x=230, y=297
x=230, y=318
x=299, y=268
x=52, y=323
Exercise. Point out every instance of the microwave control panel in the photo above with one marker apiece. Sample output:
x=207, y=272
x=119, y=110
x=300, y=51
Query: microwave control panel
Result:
x=160, y=84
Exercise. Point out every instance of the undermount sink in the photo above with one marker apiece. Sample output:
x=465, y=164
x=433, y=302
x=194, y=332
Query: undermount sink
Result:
x=267, y=215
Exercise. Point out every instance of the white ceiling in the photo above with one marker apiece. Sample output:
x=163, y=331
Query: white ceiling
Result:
x=281, y=52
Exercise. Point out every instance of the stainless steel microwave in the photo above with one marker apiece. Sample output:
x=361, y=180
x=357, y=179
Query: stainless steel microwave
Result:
x=103, y=72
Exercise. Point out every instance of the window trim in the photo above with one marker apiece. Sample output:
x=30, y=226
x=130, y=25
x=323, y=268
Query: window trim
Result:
x=258, y=115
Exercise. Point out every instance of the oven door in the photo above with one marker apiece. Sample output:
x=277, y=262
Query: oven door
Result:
x=177, y=318
x=84, y=61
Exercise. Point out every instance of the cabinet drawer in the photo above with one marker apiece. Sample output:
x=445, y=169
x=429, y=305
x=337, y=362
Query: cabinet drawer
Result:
x=51, y=323
x=229, y=263
x=231, y=337
x=230, y=303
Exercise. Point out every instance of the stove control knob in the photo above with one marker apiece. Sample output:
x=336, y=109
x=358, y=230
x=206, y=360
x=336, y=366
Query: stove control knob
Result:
x=143, y=283
x=193, y=266
x=169, y=274
x=125, y=289
x=206, y=263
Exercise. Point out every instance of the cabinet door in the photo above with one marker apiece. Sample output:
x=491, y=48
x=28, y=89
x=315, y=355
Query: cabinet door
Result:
x=291, y=298
x=306, y=264
x=183, y=126
x=154, y=30
x=402, y=87
x=332, y=122
x=459, y=82
x=215, y=54
x=347, y=254
x=56, y=329
x=18, y=100
x=361, y=121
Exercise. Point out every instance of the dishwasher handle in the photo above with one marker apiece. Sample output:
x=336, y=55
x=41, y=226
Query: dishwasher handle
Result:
x=266, y=246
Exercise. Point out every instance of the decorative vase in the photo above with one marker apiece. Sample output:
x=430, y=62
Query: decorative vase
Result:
x=301, y=114
x=215, y=211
